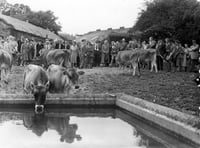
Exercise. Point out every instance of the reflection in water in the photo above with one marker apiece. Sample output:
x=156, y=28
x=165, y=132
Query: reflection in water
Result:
x=81, y=129
x=39, y=124
x=57, y=130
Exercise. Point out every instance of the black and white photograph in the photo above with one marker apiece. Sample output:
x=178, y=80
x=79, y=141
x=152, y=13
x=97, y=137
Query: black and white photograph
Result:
x=100, y=74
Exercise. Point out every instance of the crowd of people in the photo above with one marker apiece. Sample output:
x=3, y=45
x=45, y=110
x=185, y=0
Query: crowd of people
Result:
x=171, y=54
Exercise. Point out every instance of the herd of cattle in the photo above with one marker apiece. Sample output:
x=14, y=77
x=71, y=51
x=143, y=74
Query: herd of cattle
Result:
x=54, y=77
x=57, y=76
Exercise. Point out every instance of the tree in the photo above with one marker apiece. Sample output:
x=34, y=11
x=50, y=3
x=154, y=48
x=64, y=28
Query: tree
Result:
x=179, y=19
x=44, y=19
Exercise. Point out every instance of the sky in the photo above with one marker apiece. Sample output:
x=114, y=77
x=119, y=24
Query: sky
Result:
x=82, y=16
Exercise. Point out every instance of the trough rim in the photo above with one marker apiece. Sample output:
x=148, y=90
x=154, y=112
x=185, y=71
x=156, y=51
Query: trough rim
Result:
x=172, y=116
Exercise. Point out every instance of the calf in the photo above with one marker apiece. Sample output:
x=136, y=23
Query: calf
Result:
x=62, y=79
x=36, y=82
x=6, y=61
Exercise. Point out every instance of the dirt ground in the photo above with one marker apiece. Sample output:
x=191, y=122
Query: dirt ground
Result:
x=175, y=90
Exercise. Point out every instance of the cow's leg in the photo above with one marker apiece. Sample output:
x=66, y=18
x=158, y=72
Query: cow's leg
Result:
x=25, y=91
x=3, y=74
x=130, y=67
x=138, y=66
x=156, y=67
x=6, y=75
x=8, y=72
x=152, y=65
x=134, y=68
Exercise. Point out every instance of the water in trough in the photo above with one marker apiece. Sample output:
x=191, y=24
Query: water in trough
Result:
x=80, y=128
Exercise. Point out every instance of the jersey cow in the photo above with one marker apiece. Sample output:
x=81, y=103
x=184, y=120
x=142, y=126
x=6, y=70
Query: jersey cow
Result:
x=135, y=57
x=6, y=61
x=56, y=56
x=36, y=82
x=62, y=79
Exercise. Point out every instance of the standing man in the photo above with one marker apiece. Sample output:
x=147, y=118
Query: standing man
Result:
x=39, y=46
x=114, y=51
x=105, y=53
x=152, y=43
x=168, y=54
x=193, y=52
x=20, y=42
x=123, y=45
x=32, y=47
x=82, y=53
x=97, y=54
x=89, y=55
x=160, y=49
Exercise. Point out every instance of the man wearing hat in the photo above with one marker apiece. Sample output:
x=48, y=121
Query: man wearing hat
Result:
x=105, y=53
x=123, y=45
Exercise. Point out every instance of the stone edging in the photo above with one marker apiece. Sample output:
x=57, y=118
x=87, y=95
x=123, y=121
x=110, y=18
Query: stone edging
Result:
x=170, y=119
x=165, y=117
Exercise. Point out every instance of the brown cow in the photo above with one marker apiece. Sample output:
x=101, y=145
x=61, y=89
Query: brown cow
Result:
x=36, y=82
x=136, y=56
x=6, y=61
x=56, y=56
x=62, y=79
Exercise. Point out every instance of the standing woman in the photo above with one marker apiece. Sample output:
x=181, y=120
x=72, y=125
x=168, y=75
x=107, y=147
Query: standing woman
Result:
x=74, y=53
x=25, y=52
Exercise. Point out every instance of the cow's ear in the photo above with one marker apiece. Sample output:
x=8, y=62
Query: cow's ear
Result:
x=81, y=72
x=47, y=85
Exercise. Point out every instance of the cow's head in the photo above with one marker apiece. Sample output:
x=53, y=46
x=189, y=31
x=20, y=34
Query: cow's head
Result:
x=73, y=75
x=39, y=92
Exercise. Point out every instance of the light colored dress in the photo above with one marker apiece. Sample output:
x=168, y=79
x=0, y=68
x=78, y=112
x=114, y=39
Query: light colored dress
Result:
x=74, y=53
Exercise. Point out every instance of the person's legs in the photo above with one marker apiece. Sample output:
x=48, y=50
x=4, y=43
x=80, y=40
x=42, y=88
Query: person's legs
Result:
x=81, y=61
x=102, y=59
x=158, y=61
x=193, y=64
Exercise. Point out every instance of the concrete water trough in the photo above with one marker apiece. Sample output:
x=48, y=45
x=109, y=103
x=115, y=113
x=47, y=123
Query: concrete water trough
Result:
x=177, y=123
